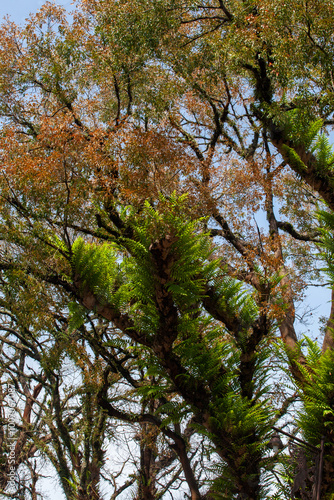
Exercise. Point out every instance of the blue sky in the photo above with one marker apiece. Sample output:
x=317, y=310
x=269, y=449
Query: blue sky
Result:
x=19, y=10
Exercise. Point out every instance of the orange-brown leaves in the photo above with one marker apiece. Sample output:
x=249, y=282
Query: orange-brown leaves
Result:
x=151, y=163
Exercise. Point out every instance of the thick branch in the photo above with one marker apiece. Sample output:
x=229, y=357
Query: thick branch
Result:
x=288, y=228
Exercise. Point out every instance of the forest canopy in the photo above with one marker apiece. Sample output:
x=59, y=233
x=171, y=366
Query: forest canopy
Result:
x=167, y=198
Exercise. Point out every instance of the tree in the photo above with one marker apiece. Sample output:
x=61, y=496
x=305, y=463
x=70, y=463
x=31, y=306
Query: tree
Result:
x=50, y=413
x=140, y=143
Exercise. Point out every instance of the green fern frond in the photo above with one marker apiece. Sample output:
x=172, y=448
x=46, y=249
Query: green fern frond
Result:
x=323, y=152
x=97, y=267
x=294, y=159
x=301, y=128
x=78, y=316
